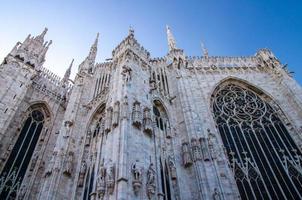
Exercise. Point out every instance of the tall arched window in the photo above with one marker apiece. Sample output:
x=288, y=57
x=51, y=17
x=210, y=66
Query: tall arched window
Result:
x=163, y=132
x=94, y=137
x=263, y=156
x=15, y=168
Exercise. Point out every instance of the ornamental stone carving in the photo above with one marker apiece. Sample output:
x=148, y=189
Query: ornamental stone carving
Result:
x=137, y=114
x=147, y=121
x=186, y=156
x=110, y=177
x=196, y=149
x=51, y=164
x=137, y=176
x=204, y=149
x=116, y=113
x=68, y=164
x=151, y=181
x=101, y=182
x=212, y=143
x=216, y=194
x=125, y=108
x=108, y=119
x=82, y=174
x=88, y=138
x=67, y=125
x=172, y=167
x=126, y=73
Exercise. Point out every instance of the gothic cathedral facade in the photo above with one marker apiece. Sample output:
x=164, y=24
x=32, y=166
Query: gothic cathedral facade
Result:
x=137, y=127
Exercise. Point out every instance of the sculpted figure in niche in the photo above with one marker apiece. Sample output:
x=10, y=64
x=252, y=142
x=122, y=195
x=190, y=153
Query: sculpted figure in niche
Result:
x=111, y=177
x=136, y=114
x=204, y=149
x=151, y=175
x=125, y=108
x=82, y=174
x=88, y=138
x=69, y=164
x=151, y=181
x=172, y=167
x=116, y=113
x=187, y=161
x=195, y=149
x=51, y=164
x=137, y=176
x=216, y=194
x=212, y=142
x=108, y=119
x=147, y=121
x=126, y=73
x=67, y=130
x=101, y=183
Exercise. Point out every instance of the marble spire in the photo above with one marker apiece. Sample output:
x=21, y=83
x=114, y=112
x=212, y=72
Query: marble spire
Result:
x=204, y=50
x=171, y=39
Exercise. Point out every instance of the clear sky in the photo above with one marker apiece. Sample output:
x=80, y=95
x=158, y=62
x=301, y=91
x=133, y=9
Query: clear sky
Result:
x=227, y=27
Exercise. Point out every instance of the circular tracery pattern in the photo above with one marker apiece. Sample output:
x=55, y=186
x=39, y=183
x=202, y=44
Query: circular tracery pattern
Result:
x=261, y=152
x=239, y=104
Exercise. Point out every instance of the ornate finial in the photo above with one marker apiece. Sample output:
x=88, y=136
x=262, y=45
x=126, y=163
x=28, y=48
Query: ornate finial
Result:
x=204, y=50
x=131, y=30
x=171, y=40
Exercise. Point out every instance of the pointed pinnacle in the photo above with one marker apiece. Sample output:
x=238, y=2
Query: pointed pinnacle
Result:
x=131, y=30
x=171, y=40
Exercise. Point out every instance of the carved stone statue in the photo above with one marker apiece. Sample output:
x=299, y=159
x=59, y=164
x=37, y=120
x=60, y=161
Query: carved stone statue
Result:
x=101, y=183
x=126, y=73
x=172, y=167
x=137, y=176
x=51, y=164
x=187, y=161
x=67, y=125
x=212, y=143
x=136, y=115
x=216, y=194
x=116, y=113
x=151, y=181
x=147, y=121
x=125, y=108
x=204, y=149
x=110, y=178
x=108, y=120
x=69, y=164
x=82, y=174
x=88, y=138
x=195, y=149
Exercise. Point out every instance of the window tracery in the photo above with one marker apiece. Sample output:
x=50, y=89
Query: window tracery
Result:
x=264, y=158
x=21, y=153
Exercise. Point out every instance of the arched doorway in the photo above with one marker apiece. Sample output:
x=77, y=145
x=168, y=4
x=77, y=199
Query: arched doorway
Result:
x=263, y=156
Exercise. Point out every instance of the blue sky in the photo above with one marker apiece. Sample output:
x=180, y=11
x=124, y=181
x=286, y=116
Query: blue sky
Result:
x=228, y=28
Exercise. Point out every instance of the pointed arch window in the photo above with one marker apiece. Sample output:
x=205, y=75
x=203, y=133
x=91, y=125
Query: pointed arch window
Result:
x=16, y=166
x=265, y=160
x=162, y=123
